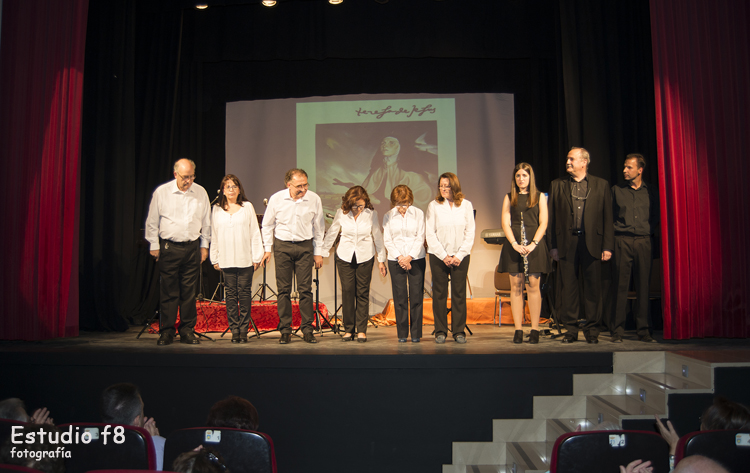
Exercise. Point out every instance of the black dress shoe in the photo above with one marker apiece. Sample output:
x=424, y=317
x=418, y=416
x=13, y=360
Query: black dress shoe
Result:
x=616, y=338
x=310, y=338
x=347, y=338
x=648, y=339
x=592, y=338
x=243, y=338
x=568, y=338
x=189, y=338
x=361, y=339
x=165, y=339
x=285, y=338
x=518, y=336
x=534, y=336
x=235, y=338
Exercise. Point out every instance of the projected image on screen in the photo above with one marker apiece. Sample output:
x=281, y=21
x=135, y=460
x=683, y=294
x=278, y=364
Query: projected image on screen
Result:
x=377, y=156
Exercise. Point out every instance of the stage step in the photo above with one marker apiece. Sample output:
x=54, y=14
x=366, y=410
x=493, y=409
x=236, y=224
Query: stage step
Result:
x=637, y=388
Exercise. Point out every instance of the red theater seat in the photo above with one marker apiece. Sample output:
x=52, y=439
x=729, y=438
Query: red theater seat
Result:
x=606, y=450
x=731, y=448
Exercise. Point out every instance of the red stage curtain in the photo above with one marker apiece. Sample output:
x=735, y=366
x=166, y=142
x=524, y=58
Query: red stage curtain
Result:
x=41, y=83
x=701, y=78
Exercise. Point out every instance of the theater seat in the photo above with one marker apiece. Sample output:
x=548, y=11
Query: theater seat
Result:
x=731, y=448
x=17, y=469
x=135, y=453
x=606, y=450
x=244, y=451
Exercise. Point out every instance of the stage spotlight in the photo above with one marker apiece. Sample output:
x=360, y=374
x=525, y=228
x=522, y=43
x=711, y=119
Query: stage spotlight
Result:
x=335, y=2
x=268, y=3
x=201, y=6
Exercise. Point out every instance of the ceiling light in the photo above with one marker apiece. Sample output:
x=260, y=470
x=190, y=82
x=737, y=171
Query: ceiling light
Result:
x=268, y=3
x=335, y=2
x=201, y=6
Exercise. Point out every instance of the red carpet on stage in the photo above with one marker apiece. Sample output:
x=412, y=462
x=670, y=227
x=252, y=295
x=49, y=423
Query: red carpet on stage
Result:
x=212, y=316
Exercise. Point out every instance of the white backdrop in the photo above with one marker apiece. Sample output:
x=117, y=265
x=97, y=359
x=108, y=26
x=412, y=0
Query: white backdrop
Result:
x=265, y=138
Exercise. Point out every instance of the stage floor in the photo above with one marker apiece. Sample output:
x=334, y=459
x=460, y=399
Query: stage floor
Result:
x=381, y=340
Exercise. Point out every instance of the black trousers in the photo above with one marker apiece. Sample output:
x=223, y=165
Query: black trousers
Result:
x=440, y=275
x=408, y=300
x=580, y=267
x=179, y=264
x=294, y=259
x=239, y=284
x=355, y=293
x=632, y=255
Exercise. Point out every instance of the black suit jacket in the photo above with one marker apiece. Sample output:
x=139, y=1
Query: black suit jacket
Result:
x=597, y=216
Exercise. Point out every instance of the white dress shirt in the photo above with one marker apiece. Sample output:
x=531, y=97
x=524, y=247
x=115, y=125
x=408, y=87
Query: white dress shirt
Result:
x=360, y=236
x=403, y=235
x=178, y=216
x=235, y=238
x=294, y=220
x=450, y=229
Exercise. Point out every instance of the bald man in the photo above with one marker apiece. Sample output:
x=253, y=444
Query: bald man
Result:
x=178, y=228
x=699, y=464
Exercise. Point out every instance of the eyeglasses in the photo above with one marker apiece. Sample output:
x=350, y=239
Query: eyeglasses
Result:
x=575, y=197
x=231, y=188
x=444, y=187
x=358, y=207
x=186, y=178
x=302, y=186
x=403, y=206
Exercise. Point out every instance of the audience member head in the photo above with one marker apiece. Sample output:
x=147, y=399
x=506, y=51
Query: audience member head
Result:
x=699, y=464
x=203, y=460
x=724, y=414
x=233, y=412
x=41, y=454
x=13, y=409
x=122, y=404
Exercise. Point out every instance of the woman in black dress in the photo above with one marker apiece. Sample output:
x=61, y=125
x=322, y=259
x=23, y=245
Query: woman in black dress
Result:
x=524, y=200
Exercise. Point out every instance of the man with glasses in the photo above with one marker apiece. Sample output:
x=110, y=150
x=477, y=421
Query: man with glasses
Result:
x=294, y=225
x=178, y=228
x=581, y=236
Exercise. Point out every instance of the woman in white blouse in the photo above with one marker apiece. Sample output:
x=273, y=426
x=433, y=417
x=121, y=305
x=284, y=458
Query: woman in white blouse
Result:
x=450, y=236
x=403, y=236
x=361, y=239
x=236, y=250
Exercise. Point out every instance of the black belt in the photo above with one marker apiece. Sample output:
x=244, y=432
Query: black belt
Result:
x=578, y=232
x=179, y=243
x=631, y=235
x=295, y=242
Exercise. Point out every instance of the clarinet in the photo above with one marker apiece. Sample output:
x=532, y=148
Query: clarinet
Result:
x=524, y=242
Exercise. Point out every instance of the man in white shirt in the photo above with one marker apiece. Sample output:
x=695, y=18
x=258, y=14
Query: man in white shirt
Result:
x=122, y=404
x=178, y=228
x=293, y=226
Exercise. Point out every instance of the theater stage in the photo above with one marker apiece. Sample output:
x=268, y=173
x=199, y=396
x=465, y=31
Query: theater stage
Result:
x=335, y=407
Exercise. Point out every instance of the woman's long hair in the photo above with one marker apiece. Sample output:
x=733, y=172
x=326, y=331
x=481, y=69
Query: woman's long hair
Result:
x=533, y=191
x=223, y=202
x=352, y=196
x=458, y=196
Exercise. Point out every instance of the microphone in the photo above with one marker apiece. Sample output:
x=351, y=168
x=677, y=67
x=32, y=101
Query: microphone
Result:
x=218, y=194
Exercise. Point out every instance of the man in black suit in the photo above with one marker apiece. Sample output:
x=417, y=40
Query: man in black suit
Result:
x=581, y=236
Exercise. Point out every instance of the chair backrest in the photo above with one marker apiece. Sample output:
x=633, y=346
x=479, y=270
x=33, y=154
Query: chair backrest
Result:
x=502, y=281
x=731, y=448
x=607, y=450
x=110, y=448
x=6, y=428
x=16, y=469
x=244, y=451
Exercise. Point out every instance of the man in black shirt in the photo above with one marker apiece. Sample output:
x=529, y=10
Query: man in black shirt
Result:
x=635, y=215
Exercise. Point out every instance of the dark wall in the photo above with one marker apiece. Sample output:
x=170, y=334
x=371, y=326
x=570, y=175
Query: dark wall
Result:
x=324, y=413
